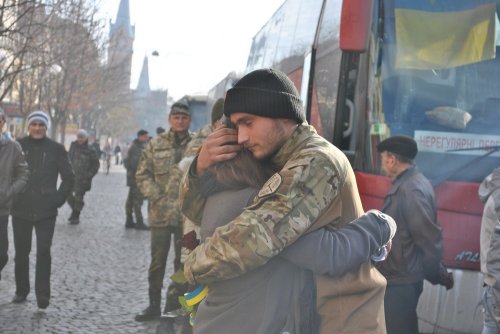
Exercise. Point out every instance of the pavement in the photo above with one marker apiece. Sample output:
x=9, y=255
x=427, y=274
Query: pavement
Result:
x=99, y=270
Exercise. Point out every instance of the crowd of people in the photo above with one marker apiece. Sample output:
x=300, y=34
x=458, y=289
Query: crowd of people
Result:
x=267, y=224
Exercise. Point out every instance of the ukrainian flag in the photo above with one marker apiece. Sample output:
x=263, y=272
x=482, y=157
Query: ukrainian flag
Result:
x=436, y=34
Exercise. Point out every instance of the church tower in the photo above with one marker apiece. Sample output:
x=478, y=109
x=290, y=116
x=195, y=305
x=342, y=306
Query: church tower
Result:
x=120, y=50
x=143, y=88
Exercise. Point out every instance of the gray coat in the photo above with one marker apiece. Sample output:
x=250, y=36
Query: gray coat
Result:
x=417, y=246
x=489, y=193
x=14, y=172
x=279, y=297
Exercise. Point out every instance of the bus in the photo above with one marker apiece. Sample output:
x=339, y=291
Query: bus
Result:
x=370, y=69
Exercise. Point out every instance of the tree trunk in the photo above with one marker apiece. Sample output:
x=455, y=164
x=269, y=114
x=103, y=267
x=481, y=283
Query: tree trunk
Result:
x=63, y=129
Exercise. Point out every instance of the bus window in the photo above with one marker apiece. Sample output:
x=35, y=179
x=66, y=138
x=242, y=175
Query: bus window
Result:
x=451, y=111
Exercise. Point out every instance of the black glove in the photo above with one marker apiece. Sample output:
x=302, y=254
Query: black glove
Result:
x=446, y=278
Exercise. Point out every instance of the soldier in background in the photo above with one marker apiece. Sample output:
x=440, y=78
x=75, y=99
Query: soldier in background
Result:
x=85, y=165
x=135, y=198
x=158, y=177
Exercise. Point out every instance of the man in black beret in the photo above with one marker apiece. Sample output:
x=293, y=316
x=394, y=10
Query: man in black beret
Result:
x=417, y=246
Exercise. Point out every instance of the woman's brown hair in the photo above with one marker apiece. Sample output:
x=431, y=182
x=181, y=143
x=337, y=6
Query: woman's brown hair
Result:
x=241, y=172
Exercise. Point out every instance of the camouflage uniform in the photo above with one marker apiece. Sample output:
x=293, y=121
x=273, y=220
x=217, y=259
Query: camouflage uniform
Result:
x=135, y=198
x=198, y=139
x=315, y=183
x=85, y=165
x=158, y=177
x=191, y=151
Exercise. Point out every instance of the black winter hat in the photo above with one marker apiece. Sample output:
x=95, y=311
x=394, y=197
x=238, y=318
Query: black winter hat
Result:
x=266, y=93
x=402, y=145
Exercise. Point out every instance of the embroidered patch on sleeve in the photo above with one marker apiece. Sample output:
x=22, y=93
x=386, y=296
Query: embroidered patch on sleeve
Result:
x=271, y=185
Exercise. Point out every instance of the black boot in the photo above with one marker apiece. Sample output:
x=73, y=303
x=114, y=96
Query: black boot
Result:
x=141, y=226
x=72, y=216
x=153, y=311
x=129, y=223
x=174, y=291
x=75, y=217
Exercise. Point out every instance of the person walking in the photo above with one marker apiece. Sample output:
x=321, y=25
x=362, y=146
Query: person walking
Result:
x=418, y=244
x=313, y=186
x=158, y=178
x=135, y=198
x=13, y=178
x=36, y=207
x=489, y=193
x=118, y=152
x=85, y=165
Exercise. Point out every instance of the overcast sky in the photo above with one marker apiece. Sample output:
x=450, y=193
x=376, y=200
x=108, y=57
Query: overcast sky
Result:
x=199, y=41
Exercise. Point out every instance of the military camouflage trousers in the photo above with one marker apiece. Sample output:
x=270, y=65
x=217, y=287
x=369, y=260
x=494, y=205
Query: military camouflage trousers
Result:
x=134, y=205
x=491, y=311
x=75, y=199
x=160, y=245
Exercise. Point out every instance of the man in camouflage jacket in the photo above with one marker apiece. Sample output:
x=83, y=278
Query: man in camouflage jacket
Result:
x=314, y=186
x=158, y=177
x=85, y=165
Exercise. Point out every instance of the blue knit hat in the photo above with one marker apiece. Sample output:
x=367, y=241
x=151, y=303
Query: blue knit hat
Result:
x=39, y=116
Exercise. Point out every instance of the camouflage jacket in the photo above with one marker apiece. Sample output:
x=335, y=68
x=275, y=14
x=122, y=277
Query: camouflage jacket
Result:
x=84, y=162
x=198, y=139
x=158, y=177
x=315, y=187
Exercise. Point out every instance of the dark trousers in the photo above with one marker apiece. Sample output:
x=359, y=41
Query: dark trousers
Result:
x=44, y=230
x=400, y=304
x=134, y=204
x=75, y=199
x=4, y=242
x=160, y=245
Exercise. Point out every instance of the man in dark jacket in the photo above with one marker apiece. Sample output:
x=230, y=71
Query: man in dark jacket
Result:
x=85, y=165
x=36, y=207
x=13, y=178
x=135, y=197
x=417, y=246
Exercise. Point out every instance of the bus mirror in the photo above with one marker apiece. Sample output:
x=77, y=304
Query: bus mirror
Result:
x=355, y=23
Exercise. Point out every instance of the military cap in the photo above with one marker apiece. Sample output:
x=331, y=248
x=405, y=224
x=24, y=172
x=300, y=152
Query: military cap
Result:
x=180, y=108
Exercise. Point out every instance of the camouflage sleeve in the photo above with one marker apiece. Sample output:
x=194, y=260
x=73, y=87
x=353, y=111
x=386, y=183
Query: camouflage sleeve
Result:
x=194, y=146
x=145, y=175
x=284, y=209
x=191, y=200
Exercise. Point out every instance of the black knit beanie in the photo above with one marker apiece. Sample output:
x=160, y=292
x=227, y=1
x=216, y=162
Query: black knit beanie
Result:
x=266, y=92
